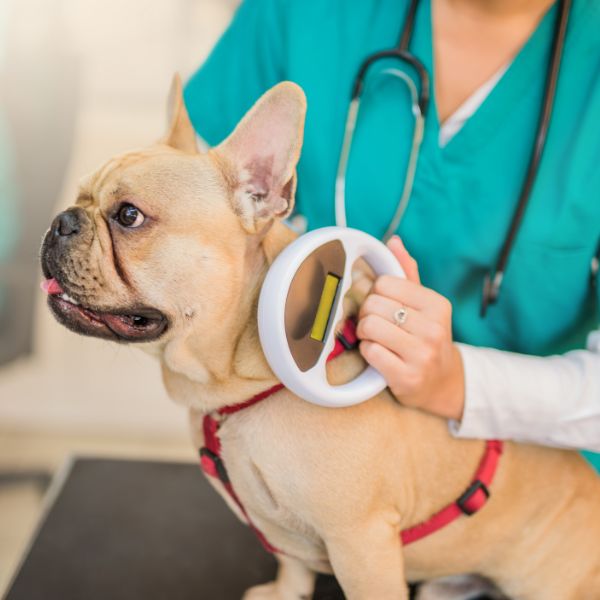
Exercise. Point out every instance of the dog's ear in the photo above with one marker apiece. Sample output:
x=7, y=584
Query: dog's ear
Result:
x=180, y=131
x=262, y=153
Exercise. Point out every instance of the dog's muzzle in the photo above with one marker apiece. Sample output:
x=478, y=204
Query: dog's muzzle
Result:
x=67, y=297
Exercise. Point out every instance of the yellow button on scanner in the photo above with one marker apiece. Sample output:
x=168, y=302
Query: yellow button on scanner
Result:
x=325, y=305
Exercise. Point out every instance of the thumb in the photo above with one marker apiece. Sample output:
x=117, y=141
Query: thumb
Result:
x=407, y=262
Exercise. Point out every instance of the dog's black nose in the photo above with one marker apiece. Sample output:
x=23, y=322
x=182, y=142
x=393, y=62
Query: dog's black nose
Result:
x=66, y=224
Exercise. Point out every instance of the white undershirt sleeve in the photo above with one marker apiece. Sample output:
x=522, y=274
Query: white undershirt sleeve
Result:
x=554, y=401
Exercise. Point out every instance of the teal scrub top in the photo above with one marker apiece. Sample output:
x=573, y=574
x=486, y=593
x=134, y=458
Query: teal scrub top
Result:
x=464, y=193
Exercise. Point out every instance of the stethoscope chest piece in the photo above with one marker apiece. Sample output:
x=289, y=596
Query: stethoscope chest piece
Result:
x=300, y=304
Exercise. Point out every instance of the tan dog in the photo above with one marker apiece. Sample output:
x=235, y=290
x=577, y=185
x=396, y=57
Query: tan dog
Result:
x=169, y=246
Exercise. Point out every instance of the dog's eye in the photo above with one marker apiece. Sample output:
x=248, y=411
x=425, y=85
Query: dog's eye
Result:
x=129, y=216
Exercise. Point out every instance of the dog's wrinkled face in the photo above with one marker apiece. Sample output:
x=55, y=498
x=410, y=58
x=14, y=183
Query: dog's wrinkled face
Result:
x=115, y=262
x=159, y=238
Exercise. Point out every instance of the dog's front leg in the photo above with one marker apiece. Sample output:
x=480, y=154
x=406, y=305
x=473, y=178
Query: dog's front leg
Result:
x=368, y=562
x=295, y=581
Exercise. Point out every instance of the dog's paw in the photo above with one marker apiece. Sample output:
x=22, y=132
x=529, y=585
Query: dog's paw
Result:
x=266, y=591
x=459, y=587
x=271, y=591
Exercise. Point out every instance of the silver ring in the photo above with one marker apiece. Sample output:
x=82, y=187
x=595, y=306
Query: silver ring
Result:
x=400, y=316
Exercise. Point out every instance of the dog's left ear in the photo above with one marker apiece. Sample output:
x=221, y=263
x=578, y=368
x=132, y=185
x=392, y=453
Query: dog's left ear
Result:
x=180, y=131
x=262, y=153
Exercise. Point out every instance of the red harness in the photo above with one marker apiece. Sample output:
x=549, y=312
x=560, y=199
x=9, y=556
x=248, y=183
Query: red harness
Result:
x=470, y=502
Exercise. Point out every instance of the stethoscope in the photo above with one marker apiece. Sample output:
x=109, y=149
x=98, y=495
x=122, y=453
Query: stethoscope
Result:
x=419, y=103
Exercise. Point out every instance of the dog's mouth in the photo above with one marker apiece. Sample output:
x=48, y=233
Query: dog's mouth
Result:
x=141, y=324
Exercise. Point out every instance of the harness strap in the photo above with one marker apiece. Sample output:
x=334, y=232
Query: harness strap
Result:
x=470, y=502
x=211, y=460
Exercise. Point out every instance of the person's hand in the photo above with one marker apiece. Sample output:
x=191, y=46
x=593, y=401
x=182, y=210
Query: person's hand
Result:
x=417, y=358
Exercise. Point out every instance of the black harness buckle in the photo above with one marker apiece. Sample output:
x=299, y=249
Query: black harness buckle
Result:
x=468, y=494
x=348, y=345
x=218, y=462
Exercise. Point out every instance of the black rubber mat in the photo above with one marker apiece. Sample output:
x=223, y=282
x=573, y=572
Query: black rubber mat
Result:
x=129, y=530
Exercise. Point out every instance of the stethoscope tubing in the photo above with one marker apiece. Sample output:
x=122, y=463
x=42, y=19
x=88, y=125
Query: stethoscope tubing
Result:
x=404, y=56
x=417, y=139
x=493, y=278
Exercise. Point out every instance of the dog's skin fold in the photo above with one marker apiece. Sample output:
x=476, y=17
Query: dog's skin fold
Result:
x=331, y=488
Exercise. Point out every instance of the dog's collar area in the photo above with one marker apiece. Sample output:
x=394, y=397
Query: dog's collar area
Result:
x=469, y=502
x=211, y=460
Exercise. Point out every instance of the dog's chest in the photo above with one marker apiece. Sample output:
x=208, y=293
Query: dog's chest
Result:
x=264, y=478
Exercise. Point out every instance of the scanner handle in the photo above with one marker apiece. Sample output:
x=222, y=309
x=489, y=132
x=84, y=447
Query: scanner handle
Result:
x=370, y=382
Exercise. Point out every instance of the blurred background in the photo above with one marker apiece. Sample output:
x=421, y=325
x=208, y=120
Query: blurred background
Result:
x=80, y=80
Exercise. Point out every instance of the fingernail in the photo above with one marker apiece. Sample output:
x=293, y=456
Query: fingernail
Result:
x=396, y=240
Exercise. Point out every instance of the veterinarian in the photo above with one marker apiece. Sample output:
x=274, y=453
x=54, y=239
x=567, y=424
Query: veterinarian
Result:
x=529, y=369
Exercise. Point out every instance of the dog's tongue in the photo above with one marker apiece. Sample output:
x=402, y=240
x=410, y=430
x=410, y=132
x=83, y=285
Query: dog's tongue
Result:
x=51, y=287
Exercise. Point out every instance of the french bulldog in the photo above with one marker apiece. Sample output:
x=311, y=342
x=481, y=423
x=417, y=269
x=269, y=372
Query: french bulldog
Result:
x=167, y=247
